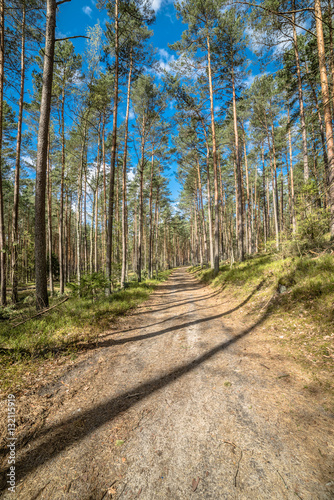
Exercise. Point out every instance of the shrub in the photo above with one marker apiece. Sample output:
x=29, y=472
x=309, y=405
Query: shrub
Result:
x=91, y=285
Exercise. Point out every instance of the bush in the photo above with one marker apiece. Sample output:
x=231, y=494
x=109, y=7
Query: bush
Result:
x=91, y=285
x=312, y=219
x=314, y=225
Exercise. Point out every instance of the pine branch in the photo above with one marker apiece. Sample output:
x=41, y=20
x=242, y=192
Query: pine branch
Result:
x=71, y=37
x=278, y=14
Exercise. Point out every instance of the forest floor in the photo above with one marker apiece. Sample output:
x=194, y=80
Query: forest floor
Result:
x=189, y=396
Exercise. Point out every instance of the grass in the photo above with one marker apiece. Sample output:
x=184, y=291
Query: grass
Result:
x=297, y=296
x=62, y=331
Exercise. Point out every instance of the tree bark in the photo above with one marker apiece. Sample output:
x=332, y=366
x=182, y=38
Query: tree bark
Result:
x=321, y=128
x=240, y=235
x=150, y=270
x=293, y=212
x=3, y=290
x=49, y=184
x=97, y=202
x=41, y=163
x=61, y=207
x=273, y=168
x=85, y=224
x=113, y=158
x=300, y=96
x=202, y=210
x=79, y=201
x=15, y=214
x=141, y=201
x=327, y=108
x=124, y=197
x=156, y=218
x=248, y=214
x=215, y=172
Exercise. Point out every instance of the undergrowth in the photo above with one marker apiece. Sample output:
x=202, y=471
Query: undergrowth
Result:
x=61, y=331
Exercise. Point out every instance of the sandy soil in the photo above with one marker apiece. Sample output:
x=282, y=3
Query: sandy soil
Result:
x=185, y=399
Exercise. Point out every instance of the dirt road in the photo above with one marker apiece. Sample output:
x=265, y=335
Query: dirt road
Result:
x=184, y=400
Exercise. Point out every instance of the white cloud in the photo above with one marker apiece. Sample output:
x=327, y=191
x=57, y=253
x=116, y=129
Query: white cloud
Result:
x=131, y=175
x=77, y=78
x=166, y=61
x=157, y=4
x=87, y=10
x=28, y=161
x=163, y=54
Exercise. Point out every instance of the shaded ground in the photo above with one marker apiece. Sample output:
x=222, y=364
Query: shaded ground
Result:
x=185, y=399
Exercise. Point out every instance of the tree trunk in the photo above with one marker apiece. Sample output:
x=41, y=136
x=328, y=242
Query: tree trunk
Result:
x=97, y=201
x=113, y=157
x=321, y=128
x=61, y=207
x=272, y=154
x=256, y=213
x=215, y=172
x=104, y=218
x=2, y=223
x=15, y=214
x=331, y=48
x=141, y=201
x=327, y=108
x=150, y=251
x=49, y=184
x=300, y=96
x=41, y=163
x=79, y=201
x=240, y=235
x=124, y=202
x=156, y=217
x=66, y=239
x=211, y=242
x=85, y=224
x=202, y=211
x=248, y=217
x=135, y=239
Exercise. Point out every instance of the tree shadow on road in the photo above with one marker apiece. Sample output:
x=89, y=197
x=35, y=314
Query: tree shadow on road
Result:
x=58, y=437
x=176, y=327
x=176, y=303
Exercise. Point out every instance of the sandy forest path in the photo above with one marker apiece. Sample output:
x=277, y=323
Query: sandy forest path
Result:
x=183, y=400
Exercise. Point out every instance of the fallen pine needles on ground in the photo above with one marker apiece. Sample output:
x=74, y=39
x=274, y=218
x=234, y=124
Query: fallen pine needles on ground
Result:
x=68, y=327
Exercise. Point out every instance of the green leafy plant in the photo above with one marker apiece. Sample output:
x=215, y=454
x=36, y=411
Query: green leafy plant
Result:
x=91, y=286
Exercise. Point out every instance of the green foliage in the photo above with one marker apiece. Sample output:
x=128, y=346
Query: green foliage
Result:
x=313, y=225
x=312, y=220
x=91, y=286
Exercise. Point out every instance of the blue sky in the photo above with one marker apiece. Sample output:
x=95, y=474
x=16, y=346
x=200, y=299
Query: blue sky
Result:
x=76, y=16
